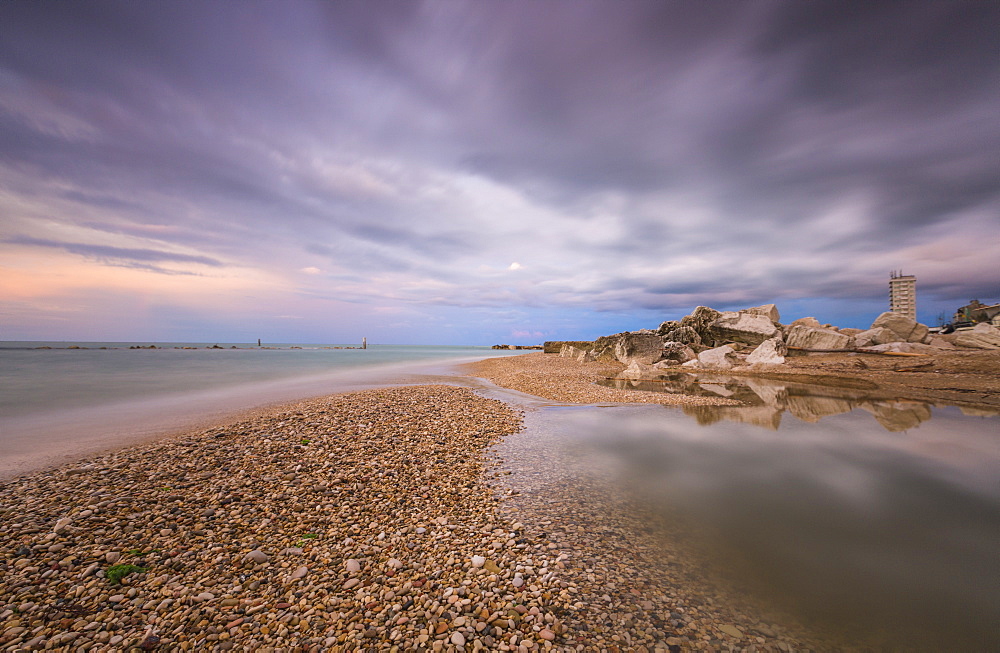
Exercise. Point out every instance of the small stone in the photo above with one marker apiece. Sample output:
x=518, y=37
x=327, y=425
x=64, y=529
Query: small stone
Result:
x=299, y=573
x=517, y=581
x=204, y=596
x=112, y=557
x=478, y=561
x=547, y=634
x=732, y=631
x=421, y=530
x=351, y=582
x=458, y=639
x=491, y=567
x=394, y=563
x=257, y=556
x=352, y=565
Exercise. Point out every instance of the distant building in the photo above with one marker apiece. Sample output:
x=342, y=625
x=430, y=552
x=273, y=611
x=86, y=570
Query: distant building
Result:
x=903, y=294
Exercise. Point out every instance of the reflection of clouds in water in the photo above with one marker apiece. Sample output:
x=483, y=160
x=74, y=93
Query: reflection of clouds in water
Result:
x=843, y=519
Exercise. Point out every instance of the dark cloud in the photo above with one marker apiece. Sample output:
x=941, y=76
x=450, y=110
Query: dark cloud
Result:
x=629, y=154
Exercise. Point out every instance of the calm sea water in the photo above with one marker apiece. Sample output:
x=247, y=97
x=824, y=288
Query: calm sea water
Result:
x=60, y=400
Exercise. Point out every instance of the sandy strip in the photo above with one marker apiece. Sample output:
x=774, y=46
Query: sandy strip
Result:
x=566, y=380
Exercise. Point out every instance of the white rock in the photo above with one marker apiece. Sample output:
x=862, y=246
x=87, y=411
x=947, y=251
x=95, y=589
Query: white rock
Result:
x=807, y=321
x=721, y=358
x=458, y=639
x=907, y=329
x=352, y=565
x=982, y=336
x=769, y=352
x=748, y=328
x=517, y=581
x=805, y=337
x=478, y=561
x=770, y=311
x=394, y=563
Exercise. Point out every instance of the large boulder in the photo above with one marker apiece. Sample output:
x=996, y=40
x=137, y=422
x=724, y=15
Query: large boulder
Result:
x=804, y=337
x=644, y=347
x=748, y=328
x=555, y=346
x=905, y=328
x=982, y=336
x=699, y=321
x=807, y=321
x=676, y=353
x=582, y=355
x=720, y=358
x=770, y=311
x=769, y=352
x=683, y=334
x=667, y=327
x=876, y=336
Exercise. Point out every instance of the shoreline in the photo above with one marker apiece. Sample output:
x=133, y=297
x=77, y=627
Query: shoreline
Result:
x=44, y=440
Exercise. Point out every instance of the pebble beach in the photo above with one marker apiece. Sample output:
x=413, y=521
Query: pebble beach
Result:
x=375, y=520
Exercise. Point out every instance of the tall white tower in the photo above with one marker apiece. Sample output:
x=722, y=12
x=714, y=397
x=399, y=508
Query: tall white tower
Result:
x=903, y=294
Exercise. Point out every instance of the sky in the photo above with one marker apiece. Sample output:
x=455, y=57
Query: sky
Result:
x=499, y=171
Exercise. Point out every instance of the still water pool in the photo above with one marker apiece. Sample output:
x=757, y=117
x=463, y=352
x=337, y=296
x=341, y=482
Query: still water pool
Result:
x=875, y=520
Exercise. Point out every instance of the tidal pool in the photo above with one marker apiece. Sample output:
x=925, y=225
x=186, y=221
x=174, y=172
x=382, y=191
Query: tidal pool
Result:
x=874, y=522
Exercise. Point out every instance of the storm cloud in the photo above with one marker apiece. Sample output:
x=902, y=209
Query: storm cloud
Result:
x=635, y=159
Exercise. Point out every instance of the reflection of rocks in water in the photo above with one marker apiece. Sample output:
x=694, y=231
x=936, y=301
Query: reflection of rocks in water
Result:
x=771, y=393
x=899, y=417
x=813, y=409
x=764, y=400
x=979, y=412
x=766, y=417
x=718, y=389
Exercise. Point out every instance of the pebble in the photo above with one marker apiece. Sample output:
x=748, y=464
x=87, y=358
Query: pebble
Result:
x=352, y=565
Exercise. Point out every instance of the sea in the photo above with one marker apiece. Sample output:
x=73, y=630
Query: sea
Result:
x=64, y=400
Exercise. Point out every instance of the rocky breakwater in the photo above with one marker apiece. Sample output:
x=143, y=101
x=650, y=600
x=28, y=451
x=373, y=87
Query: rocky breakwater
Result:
x=755, y=337
x=356, y=522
